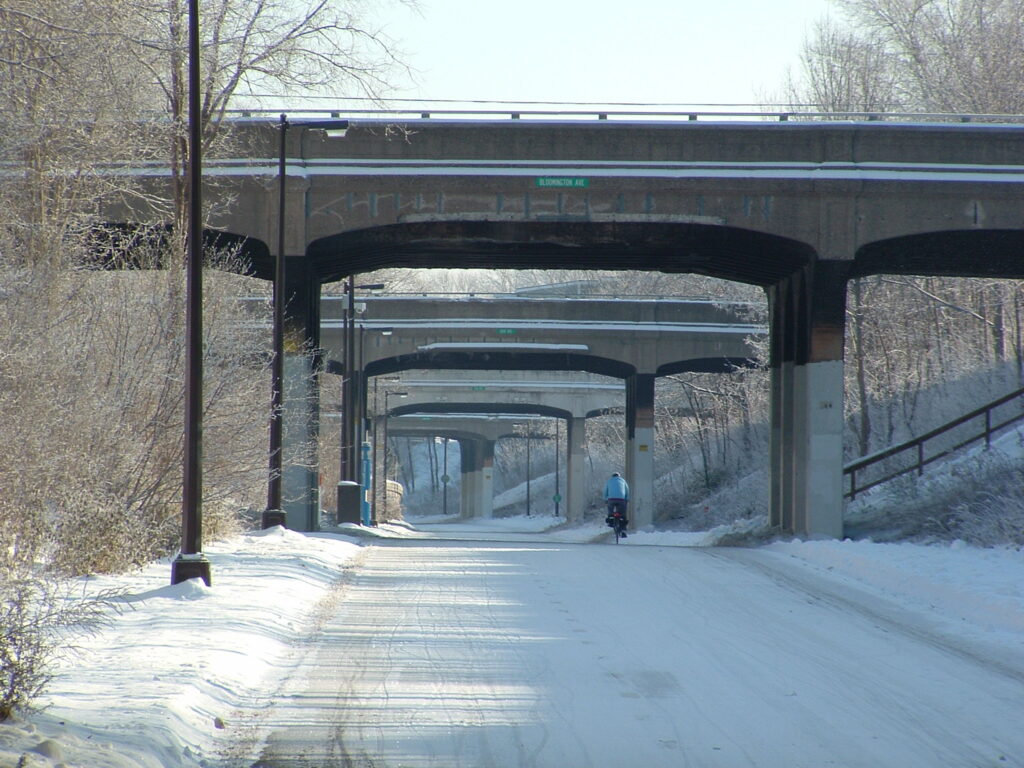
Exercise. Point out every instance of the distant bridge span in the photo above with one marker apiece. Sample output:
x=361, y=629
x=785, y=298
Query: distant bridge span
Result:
x=634, y=340
x=796, y=208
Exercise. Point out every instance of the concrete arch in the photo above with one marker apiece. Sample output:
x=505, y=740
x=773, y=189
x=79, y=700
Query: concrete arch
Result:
x=492, y=360
x=717, y=250
x=443, y=432
x=516, y=408
x=478, y=435
x=806, y=305
x=988, y=252
x=706, y=365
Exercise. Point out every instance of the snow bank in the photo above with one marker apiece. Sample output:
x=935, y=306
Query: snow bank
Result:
x=978, y=591
x=182, y=666
x=184, y=670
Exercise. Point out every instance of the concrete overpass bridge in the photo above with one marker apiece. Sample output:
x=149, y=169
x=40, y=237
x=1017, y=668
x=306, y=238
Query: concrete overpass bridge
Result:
x=633, y=340
x=621, y=338
x=797, y=209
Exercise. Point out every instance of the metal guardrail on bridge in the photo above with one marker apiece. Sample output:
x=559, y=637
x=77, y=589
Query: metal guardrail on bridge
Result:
x=506, y=110
x=920, y=459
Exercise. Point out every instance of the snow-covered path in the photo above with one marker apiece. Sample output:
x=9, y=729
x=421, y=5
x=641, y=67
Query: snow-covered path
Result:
x=532, y=653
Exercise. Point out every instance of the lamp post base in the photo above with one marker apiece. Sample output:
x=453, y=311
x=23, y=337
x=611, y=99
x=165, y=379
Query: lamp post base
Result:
x=272, y=517
x=185, y=567
x=349, y=497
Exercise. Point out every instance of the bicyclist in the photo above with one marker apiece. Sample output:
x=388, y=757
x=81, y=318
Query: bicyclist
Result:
x=616, y=495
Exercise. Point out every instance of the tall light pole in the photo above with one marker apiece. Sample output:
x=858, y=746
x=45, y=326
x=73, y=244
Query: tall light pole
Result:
x=373, y=461
x=191, y=562
x=387, y=416
x=275, y=513
x=351, y=384
x=347, y=469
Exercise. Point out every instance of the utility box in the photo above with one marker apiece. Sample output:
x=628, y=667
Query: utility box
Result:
x=349, y=502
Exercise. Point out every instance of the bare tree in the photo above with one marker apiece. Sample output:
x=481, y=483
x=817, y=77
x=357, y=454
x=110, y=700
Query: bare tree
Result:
x=844, y=70
x=949, y=55
x=69, y=107
x=284, y=46
x=96, y=82
x=908, y=335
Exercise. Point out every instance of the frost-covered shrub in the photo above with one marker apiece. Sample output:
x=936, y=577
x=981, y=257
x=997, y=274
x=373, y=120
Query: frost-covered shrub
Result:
x=738, y=498
x=94, y=533
x=92, y=381
x=25, y=651
x=990, y=520
x=976, y=498
x=38, y=619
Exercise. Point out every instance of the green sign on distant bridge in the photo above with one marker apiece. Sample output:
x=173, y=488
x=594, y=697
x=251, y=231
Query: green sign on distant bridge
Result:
x=575, y=182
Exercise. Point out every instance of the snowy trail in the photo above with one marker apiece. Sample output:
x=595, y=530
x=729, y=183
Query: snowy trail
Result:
x=500, y=653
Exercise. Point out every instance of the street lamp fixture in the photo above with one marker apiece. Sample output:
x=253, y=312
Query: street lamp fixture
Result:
x=275, y=513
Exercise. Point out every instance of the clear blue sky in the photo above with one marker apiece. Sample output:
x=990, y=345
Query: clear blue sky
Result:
x=679, y=51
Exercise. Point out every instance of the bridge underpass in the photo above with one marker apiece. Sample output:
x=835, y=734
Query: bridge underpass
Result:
x=519, y=395
x=634, y=340
x=797, y=209
x=477, y=436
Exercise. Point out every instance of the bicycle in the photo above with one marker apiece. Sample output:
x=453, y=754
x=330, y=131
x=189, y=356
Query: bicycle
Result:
x=617, y=522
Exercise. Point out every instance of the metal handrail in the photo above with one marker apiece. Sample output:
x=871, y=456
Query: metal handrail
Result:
x=918, y=443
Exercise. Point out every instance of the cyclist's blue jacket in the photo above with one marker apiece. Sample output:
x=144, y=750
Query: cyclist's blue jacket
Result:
x=616, y=488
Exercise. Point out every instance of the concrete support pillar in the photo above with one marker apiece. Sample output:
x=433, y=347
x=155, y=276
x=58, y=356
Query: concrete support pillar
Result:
x=640, y=448
x=782, y=352
x=469, y=451
x=300, y=479
x=575, y=485
x=821, y=486
x=807, y=316
x=485, y=489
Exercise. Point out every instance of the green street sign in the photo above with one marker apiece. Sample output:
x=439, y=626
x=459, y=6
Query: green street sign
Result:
x=556, y=498
x=563, y=182
x=505, y=331
x=478, y=389
x=446, y=479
